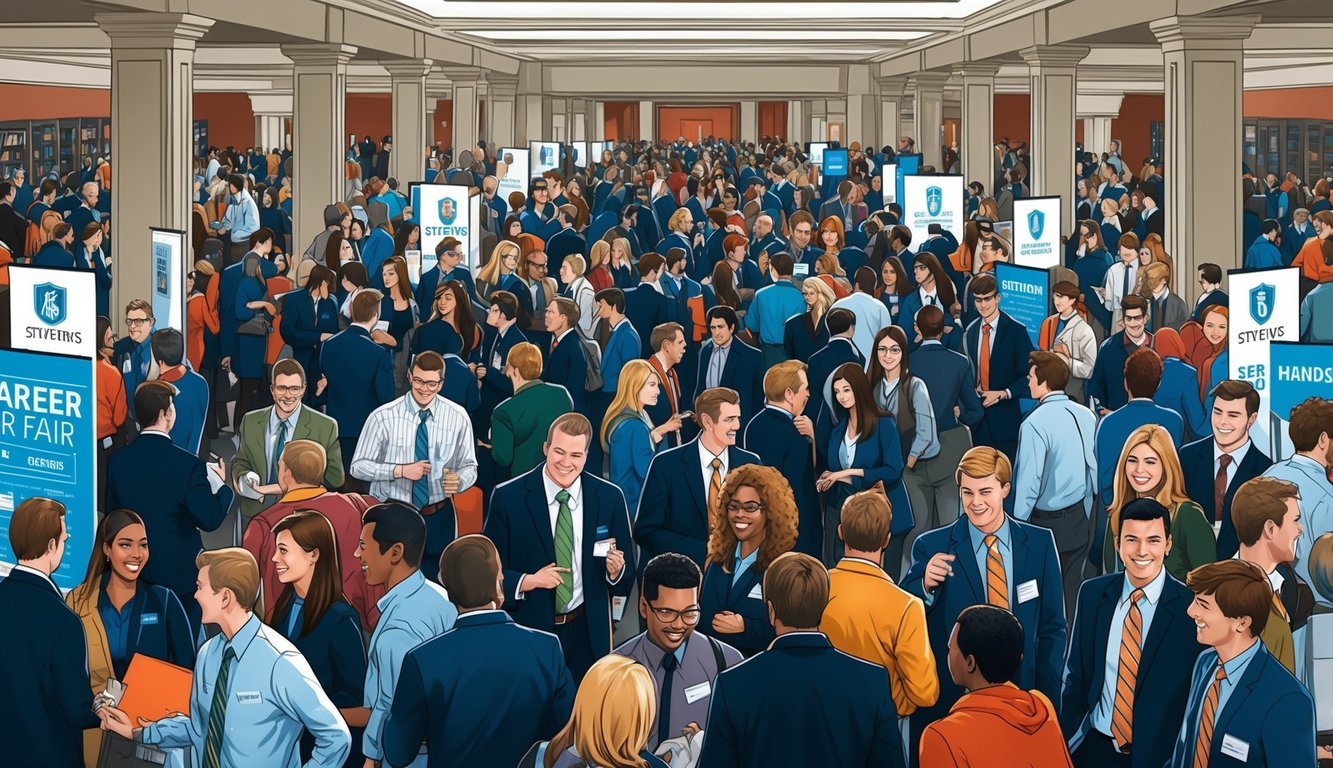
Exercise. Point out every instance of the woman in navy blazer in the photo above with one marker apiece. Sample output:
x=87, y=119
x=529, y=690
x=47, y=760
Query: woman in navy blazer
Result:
x=90, y=255
x=933, y=281
x=312, y=613
x=123, y=615
x=753, y=522
x=863, y=449
x=308, y=318
x=805, y=334
x=894, y=285
x=451, y=323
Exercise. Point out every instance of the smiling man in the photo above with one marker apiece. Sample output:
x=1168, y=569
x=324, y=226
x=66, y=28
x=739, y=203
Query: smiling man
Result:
x=1123, y=694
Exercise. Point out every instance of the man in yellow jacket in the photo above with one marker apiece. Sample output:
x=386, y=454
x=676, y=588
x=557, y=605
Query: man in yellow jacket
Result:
x=870, y=617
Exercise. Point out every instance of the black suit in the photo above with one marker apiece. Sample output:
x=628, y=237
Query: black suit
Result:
x=13, y=227
x=1196, y=459
x=566, y=366
x=647, y=308
x=822, y=364
x=1218, y=297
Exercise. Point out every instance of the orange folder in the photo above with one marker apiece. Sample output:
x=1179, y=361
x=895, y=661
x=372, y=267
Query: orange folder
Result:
x=155, y=689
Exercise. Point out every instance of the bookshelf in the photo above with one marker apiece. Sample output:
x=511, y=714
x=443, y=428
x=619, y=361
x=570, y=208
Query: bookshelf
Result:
x=13, y=148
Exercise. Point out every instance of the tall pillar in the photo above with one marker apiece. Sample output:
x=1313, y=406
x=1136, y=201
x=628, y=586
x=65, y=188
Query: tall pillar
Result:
x=319, y=98
x=647, y=121
x=796, y=121
x=1097, y=110
x=891, y=103
x=272, y=110
x=862, y=107
x=531, y=121
x=749, y=121
x=1053, y=83
x=928, y=105
x=152, y=110
x=465, y=82
x=501, y=112
x=978, y=115
x=1204, y=80
x=817, y=112
x=411, y=132
x=577, y=120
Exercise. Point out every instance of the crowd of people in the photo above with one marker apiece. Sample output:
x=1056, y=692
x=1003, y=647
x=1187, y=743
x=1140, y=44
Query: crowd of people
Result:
x=707, y=462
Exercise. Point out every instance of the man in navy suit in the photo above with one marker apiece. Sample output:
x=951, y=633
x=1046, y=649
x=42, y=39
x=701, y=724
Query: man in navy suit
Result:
x=45, y=699
x=565, y=242
x=668, y=342
x=565, y=364
x=801, y=702
x=191, y=400
x=1107, y=383
x=1142, y=374
x=175, y=493
x=448, y=266
x=985, y=557
x=1244, y=708
x=682, y=481
x=839, y=350
x=558, y=530
x=359, y=373
x=645, y=305
x=998, y=347
x=1215, y=467
x=726, y=361
x=781, y=435
x=502, y=335
x=1129, y=627
x=687, y=298
x=482, y=692
x=1210, y=280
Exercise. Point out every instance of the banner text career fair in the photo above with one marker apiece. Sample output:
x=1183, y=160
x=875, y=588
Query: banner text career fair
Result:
x=34, y=403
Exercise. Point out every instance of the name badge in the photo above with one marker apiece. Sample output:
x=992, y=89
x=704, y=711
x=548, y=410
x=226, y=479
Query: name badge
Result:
x=696, y=692
x=757, y=593
x=1234, y=747
x=148, y=618
x=618, y=608
x=1028, y=591
x=602, y=548
x=248, y=697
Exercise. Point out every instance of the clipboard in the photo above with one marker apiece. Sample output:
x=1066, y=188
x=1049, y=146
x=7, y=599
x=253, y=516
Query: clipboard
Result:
x=155, y=689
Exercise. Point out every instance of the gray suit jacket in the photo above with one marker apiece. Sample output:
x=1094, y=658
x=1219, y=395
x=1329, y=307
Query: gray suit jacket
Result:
x=252, y=456
x=1174, y=313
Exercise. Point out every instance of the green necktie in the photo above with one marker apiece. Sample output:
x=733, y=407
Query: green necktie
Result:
x=564, y=551
x=278, y=445
x=217, y=713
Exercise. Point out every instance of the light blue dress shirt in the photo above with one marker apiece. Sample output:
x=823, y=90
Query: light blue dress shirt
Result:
x=273, y=698
x=242, y=218
x=411, y=613
x=742, y=563
x=1101, y=714
x=981, y=552
x=717, y=362
x=773, y=305
x=1235, y=671
x=1316, y=508
x=1056, y=465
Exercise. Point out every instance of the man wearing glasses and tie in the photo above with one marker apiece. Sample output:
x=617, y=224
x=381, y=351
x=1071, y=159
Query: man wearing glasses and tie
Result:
x=419, y=448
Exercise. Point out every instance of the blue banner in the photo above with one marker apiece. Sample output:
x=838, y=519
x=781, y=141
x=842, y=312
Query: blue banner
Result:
x=908, y=165
x=47, y=448
x=835, y=162
x=1300, y=370
x=1025, y=295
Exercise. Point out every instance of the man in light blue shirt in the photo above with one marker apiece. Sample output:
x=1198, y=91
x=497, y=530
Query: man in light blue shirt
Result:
x=1055, y=473
x=773, y=305
x=253, y=693
x=412, y=611
x=1310, y=429
x=242, y=217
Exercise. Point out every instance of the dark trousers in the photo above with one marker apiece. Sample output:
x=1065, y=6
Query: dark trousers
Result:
x=576, y=642
x=1073, y=537
x=248, y=398
x=1098, y=751
x=441, y=530
x=893, y=556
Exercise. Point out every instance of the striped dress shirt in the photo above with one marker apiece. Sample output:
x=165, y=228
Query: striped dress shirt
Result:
x=389, y=439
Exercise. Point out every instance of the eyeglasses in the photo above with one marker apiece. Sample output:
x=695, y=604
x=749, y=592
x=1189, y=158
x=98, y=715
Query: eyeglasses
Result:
x=135, y=322
x=537, y=265
x=669, y=616
x=293, y=390
x=750, y=507
x=424, y=384
x=449, y=253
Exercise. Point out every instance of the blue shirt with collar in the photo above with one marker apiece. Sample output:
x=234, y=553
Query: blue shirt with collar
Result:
x=119, y=624
x=1152, y=593
x=773, y=305
x=742, y=563
x=1235, y=671
x=1051, y=471
x=1006, y=546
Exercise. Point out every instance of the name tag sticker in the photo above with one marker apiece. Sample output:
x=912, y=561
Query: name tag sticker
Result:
x=1028, y=591
x=618, y=608
x=148, y=618
x=1234, y=747
x=757, y=593
x=248, y=697
x=602, y=548
x=696, y=692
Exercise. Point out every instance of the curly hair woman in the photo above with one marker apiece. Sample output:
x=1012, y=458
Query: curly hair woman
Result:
x=753, y=522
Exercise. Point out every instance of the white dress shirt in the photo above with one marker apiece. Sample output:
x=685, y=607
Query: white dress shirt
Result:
x=706, y=464
x=576, y=515
x=389, y=439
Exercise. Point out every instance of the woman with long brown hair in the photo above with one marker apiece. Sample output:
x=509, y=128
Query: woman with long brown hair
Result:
x=399, y=309
x=450, y=319
x=1211, y=351
x=721, y=288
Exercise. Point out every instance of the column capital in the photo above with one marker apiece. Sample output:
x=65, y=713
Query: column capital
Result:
x=1181, y=31
x=153, y=30
x=502, y=86
x=1054, y=56
x=928, y=80
x=273, y=103
x=1088, y=105
x=891, y=86
x=463, y=75
x=977, y=70
x=408, y=69
x=319, y=54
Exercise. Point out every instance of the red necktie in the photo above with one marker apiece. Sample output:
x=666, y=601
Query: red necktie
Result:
x=983, y=358
x=1220, y=486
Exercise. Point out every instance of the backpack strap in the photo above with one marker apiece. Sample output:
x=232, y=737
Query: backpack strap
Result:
x=718, y=656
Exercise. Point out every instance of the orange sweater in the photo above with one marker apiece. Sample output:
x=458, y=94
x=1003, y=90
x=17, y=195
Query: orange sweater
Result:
x=1310, y=259
x=199, y=315
x=111, y=407
x=1002, y=720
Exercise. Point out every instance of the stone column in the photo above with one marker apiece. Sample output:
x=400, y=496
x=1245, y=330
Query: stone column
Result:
x=597, y=122
x=500, y=110
x=407, y=84
x=152, y=111
x=465, y=83
x=928, y=104
x=1204, y=82
x=796, y=122
x=978, y=115
x=319, y=99
x=272, y=110
x=1053, y=83
x=891, y=103
x=863, y=111
x=647, y=121
x=531, y=121
x=749, y=121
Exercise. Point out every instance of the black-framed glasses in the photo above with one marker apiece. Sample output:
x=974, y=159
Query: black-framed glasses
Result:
x=750, y=507
x=669, y=615
x=538, y=265
x=135, y=322
x=424, y=384
x=293, y=390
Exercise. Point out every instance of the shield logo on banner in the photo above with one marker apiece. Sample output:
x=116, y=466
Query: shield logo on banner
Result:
x=447, y=211
x=1036, y=224
x=934, y=200
x=1262, y=297
x=48, y=301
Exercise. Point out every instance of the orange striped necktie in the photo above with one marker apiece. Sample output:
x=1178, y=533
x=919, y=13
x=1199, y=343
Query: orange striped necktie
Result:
x=1207, y=715
x=997, y=587
x=1131, y=645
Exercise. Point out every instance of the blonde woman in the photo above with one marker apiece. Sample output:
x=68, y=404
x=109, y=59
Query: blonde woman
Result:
x=598, y=271
x=681, y=232
x=805, y=334
x=1150, y=468
x=580, y=290
x=622, y=264
x=503, y=262
x=628, y=435
x=611, y=722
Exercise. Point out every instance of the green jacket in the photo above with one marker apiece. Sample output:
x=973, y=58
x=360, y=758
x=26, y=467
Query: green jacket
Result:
x=253, y=456
x=519, y=425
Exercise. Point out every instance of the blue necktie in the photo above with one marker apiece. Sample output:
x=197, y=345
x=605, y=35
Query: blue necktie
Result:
x=1124, y=291
x=279, y=443
x=421, y=488
x=140, y=367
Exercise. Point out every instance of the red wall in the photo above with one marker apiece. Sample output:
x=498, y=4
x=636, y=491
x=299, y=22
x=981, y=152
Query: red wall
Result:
x=1311, y=103
x=1133, y=127
x=1013, y=117
x=671, y=121
x=231, y=121
x=39, y=102
x=620, y=120
x=772, y=120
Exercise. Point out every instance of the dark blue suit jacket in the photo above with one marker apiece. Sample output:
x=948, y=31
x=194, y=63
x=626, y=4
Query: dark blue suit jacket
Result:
x=1196, y=459
x=1107, y=382
x=1218, y=297
x=565, y=365
x=802, y=702
x=360, y=374
x=1269, y=712
x=1116, y=427
x=430, y=280
x=772, y=436
x=460, y=385
x=1179, y=391
x=797, y=341
x=563, y=243
x=495, y=387
x=478, y=694
x=950, y=380
x=646, y=309
x=191, y=403
x=1160, y=689
x=744, y=598
x=881, y=457
x=1042, y=617
x=1008, y=370
x=303, y=321
x=909, y=305
x=336, y=651
x=519, y=524
x=743, y=372
x=229, y=281
x=821, y=365
x=45, y=698
x=677, y=520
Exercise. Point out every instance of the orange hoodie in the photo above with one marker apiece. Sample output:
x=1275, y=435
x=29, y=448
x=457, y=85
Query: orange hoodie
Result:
x=1002, y=720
